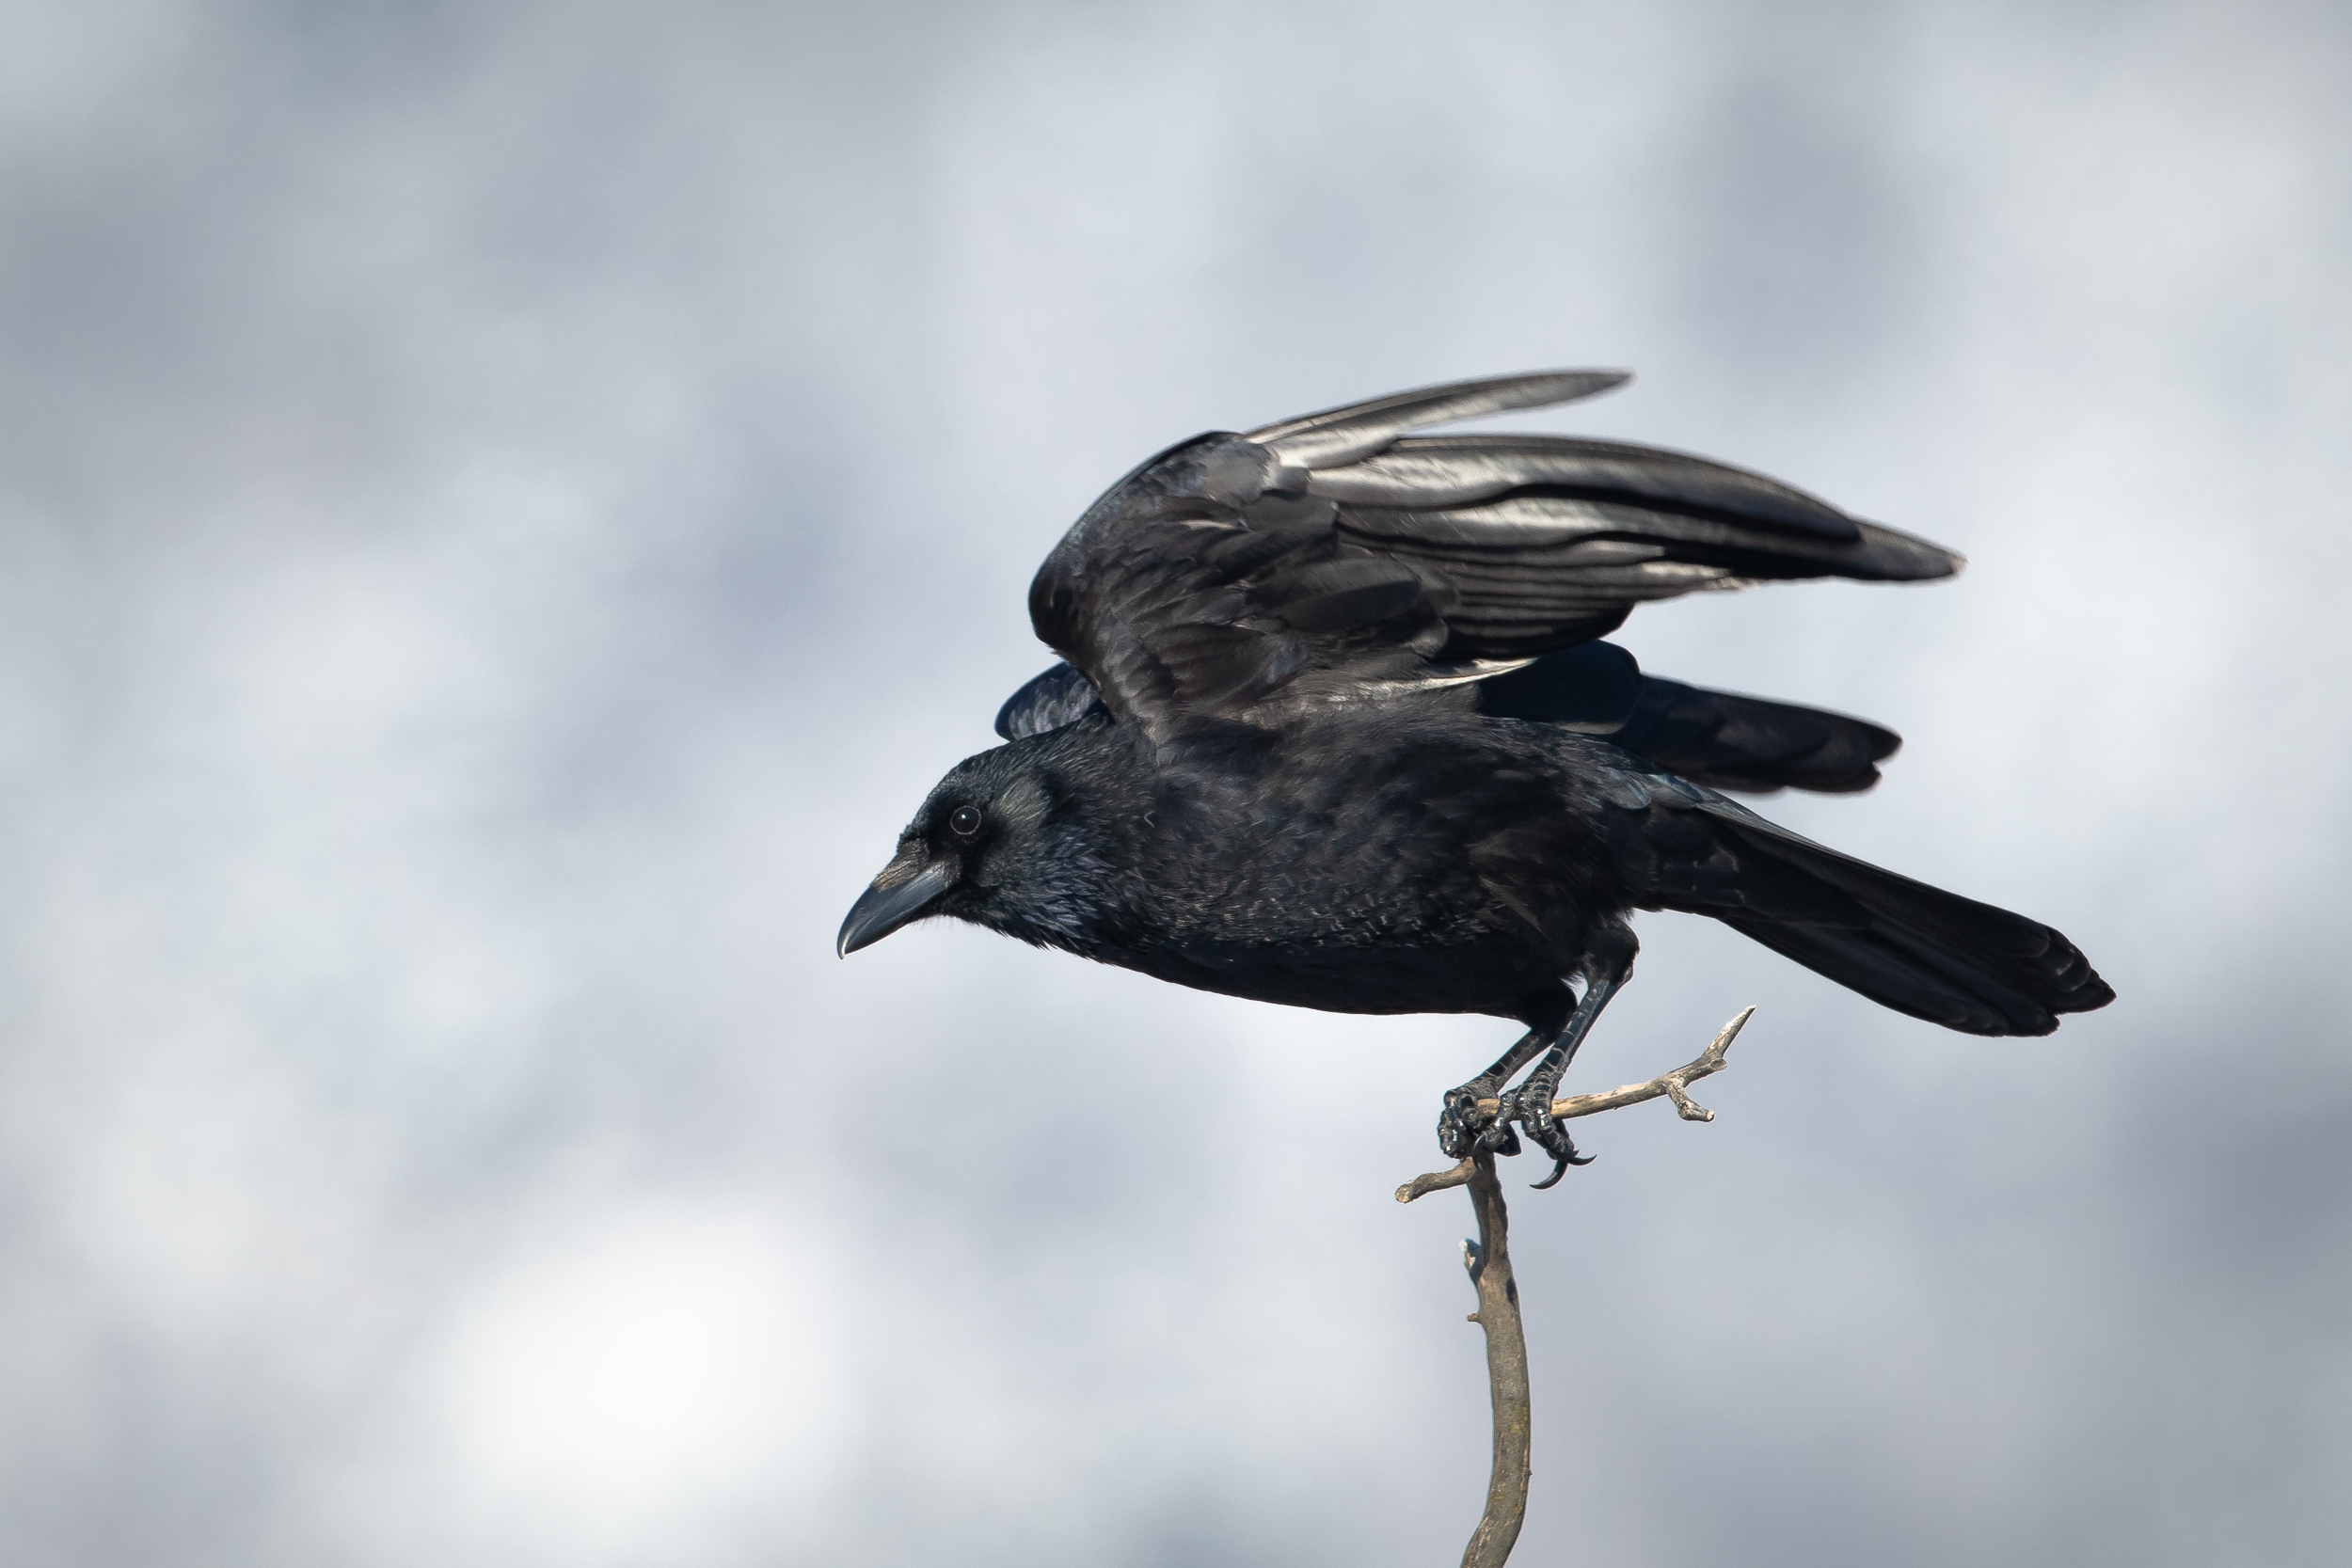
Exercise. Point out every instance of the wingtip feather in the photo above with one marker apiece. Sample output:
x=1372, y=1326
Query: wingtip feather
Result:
x=1350, y=430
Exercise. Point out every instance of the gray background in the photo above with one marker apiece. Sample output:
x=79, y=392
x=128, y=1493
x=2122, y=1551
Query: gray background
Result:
x=504, y=512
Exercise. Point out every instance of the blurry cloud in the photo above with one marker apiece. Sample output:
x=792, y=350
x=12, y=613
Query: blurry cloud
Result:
x=504, y=510
x=617, y=1386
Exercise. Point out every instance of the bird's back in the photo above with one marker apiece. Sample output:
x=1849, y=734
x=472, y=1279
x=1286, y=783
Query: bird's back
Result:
x=1417, y=857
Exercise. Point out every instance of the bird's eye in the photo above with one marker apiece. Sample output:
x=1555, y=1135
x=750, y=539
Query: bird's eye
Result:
x=965, y=821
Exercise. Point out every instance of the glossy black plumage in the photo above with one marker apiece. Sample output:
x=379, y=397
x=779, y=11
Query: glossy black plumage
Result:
x=1334, y=730
x=1719, y=738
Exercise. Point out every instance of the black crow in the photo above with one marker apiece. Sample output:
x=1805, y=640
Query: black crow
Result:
x=1335, y=729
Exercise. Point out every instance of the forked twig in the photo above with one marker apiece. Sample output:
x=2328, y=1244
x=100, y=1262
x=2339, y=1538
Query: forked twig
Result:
x=1674, y=1085
x=1488, y=1259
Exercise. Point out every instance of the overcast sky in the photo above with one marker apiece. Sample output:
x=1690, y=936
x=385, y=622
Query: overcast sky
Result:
x=504, y=511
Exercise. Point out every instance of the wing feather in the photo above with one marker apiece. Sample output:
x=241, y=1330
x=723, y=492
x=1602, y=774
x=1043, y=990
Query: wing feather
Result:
x=1426, y=472
x=1342, y=435
x=1336, y=557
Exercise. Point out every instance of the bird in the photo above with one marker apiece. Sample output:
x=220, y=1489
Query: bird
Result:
x=1336, y=724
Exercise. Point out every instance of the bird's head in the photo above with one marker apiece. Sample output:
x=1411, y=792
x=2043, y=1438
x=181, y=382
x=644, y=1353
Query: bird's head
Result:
x=1004, y=841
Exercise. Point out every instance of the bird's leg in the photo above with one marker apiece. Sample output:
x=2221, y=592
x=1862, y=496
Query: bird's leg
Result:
x=1460, y=1129
x=1608, y=965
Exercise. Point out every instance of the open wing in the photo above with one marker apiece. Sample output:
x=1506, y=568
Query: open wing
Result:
x=1337, y=558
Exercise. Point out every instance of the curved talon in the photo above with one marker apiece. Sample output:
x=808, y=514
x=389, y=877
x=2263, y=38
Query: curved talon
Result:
x=1545, y=1129
x=1489, y=1138
x=1498, y=1136
x=1560, y=1167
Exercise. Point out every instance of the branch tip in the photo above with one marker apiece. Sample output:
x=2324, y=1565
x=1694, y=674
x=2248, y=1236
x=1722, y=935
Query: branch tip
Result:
x=1437, y=1181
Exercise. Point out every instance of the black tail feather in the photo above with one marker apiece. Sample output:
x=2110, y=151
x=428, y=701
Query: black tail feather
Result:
x=1914, y=948
x=1923, y=951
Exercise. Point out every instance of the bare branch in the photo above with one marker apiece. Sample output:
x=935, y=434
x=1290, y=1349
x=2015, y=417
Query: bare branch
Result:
x=1488, y=1259
x=1435, y=1181
x=1674, y=1086
x=1671, y=1086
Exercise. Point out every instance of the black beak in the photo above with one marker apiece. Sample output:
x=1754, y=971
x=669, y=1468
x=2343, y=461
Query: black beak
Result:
x=884, y=907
